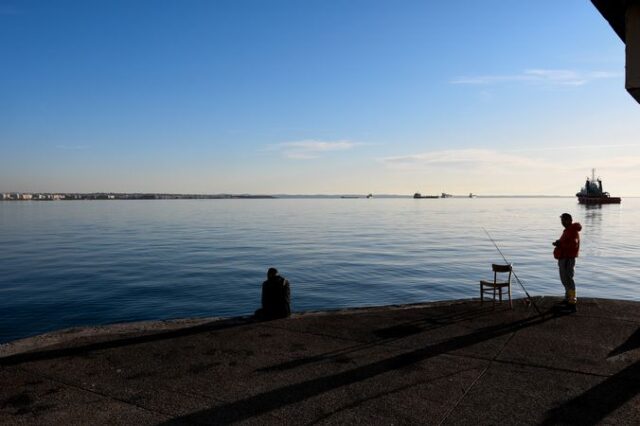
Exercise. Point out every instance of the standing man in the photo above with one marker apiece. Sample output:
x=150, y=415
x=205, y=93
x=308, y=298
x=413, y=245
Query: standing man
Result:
x=566, y=250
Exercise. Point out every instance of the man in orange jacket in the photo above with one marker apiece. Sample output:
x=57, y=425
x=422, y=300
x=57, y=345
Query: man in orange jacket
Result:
x=566, y=250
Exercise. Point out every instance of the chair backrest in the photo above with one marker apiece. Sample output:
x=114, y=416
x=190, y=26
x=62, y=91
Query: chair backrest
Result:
x=501, y=269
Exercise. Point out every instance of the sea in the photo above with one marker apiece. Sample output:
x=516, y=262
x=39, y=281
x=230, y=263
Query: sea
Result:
x=79, y=263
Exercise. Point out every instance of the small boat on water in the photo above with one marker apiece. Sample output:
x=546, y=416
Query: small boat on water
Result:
x=356, y=196
x=592, y=193
x=472, y=195
x=445, y=195
x=418, y=195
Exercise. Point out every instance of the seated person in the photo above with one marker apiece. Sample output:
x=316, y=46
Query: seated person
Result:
x=276, y=297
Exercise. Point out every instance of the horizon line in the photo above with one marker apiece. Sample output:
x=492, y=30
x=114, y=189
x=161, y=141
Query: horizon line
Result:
x=283, y=195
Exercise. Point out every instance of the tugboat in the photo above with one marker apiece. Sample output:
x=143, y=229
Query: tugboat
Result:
x=418, y=195
x=592, y=192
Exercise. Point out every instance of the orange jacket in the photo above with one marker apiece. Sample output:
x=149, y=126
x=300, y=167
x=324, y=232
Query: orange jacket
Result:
x=569, y=243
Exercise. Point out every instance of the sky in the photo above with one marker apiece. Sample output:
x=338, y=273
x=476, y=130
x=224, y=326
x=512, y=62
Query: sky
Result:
x=313, y=97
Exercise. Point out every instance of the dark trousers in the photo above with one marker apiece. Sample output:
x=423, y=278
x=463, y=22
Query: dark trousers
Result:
x=566, y=267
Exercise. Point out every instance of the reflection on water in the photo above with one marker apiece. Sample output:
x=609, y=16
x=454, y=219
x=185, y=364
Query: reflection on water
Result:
x=91, y=262
x=592, y=207
x=592, y=214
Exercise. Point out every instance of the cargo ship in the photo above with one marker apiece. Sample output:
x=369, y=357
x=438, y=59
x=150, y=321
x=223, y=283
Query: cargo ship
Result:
x=418, y=195
x=592, y=193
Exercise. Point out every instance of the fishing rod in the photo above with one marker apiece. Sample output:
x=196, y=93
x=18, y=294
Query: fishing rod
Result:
x=512, y=271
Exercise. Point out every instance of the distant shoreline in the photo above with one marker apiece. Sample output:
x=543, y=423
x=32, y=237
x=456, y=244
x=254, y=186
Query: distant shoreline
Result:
x=66, y=196
x=62, y=196
x=19, y=196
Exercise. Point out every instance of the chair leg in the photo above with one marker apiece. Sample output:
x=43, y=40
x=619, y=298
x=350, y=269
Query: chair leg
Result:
x=510, y=302
x=481, y=294
x=494, y=298
x=500, y=290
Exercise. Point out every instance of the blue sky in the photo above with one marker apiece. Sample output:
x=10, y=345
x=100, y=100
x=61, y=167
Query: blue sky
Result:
x=313, y=96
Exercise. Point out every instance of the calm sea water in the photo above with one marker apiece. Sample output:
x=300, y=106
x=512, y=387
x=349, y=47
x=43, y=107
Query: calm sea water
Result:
x=71, y=263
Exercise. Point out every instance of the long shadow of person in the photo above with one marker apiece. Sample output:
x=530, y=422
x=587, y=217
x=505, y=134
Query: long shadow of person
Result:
x=293, y=393
x=594, y=405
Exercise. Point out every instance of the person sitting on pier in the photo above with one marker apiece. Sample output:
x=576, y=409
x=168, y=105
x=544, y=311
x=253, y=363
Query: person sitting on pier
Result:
x=276, y=297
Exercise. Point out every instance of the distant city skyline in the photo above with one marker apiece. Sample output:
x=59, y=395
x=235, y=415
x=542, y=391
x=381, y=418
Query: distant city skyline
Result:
x=314, y=97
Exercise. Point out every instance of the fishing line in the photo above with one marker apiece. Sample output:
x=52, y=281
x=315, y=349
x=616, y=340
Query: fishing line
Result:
x=512, y=271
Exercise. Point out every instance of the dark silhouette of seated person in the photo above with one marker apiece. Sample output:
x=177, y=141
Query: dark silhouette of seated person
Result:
x=276, y=297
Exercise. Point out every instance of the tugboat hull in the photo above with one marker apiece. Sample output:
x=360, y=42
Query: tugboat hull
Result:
x=599, y=200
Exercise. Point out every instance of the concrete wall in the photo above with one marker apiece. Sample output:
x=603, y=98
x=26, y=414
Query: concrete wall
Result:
x=632, y=36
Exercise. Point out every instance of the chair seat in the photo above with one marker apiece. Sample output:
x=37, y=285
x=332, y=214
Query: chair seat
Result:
x=492, y=284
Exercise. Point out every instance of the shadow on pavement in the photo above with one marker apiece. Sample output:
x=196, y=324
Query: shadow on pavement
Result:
x=594, y=405
x=84, y=349
x=387, y=335
x=265, y=402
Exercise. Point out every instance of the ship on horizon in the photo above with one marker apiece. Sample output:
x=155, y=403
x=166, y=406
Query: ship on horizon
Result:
x=592, y=193
x=418, y=195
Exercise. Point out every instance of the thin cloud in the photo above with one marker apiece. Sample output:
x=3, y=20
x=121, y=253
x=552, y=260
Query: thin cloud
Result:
x=494, y=171
x=574, y=147
x=311, y=148
x=541, y=76
x=493, y=162
x=617, y=163
x=461, y=159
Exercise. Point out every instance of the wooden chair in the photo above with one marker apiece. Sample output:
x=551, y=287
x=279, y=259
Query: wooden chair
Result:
x=497, y=286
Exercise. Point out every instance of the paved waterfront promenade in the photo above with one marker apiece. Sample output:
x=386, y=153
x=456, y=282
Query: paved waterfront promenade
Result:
x=441, y=363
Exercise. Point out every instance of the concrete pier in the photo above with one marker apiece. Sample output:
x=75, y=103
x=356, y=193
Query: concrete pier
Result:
x=440, y=363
